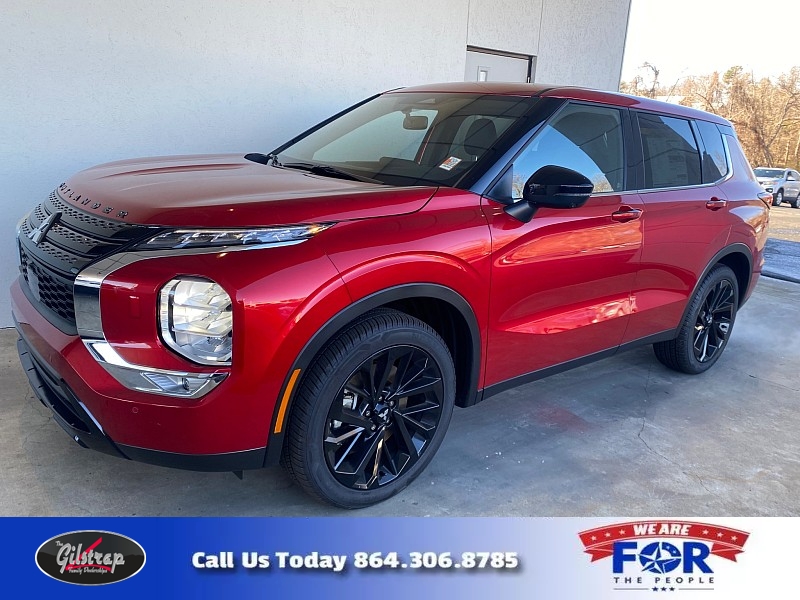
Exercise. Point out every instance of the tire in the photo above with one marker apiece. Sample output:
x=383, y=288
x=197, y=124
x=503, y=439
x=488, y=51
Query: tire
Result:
x=371, y=410
x=706, y=328
x=778, y=198
x=796, y=203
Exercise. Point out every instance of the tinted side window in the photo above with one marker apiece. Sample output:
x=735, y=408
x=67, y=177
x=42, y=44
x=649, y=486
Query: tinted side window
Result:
x=587, y=139
x=671, y=158
x=715, y=164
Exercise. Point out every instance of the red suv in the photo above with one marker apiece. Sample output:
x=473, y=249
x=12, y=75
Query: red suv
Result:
x=328, y=304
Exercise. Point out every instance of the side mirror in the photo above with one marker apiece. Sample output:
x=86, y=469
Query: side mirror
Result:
x=551, y=187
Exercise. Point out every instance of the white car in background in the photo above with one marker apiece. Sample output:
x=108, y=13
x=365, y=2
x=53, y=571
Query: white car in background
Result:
x=783, y=184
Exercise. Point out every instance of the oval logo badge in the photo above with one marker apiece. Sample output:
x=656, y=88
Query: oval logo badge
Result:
x=90, y=557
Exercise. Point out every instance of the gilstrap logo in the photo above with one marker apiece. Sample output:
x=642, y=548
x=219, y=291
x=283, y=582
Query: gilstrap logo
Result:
x=90, y=557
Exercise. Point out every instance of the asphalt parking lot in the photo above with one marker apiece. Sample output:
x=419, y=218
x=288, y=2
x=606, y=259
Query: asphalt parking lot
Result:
x=624, y=436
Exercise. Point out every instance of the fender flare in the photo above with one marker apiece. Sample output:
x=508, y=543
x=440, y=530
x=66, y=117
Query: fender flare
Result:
x=736, y=248
x=339, y=321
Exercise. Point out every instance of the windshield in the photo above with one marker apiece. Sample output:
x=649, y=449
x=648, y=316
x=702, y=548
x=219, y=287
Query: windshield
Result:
x=411, y=138
x=773, y=173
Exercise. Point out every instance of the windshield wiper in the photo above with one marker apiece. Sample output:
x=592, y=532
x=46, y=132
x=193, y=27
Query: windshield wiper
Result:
x=329, y=171
x=263, y=159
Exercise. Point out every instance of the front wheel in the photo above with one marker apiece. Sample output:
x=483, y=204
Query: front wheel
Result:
x=778, y=198
x=371, y=411
x=707, y=326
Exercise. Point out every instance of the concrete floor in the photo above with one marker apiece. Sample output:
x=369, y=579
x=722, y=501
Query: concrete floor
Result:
x=784, y=223
x=624, y=436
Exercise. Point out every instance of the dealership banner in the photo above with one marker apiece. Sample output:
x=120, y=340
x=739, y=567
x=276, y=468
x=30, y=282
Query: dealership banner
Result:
x=391, y=558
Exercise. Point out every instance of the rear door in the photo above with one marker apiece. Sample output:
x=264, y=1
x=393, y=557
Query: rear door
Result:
x=686, y=220
x=561, y=283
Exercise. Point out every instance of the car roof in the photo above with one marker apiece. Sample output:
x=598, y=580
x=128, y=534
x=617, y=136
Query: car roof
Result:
x=566, y=92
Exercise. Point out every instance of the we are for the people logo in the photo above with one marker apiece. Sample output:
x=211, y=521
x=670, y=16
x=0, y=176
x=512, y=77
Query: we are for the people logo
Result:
x=663, y=556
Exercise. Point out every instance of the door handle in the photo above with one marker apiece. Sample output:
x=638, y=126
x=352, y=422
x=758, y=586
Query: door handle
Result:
x=715, y=203
x=625, y=214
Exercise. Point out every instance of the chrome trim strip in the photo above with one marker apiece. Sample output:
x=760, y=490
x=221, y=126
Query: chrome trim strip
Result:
x=143, y=379
x=91, y=416
x=728, y=175
x=88, y=282
x=89, y=322
x=728, y=160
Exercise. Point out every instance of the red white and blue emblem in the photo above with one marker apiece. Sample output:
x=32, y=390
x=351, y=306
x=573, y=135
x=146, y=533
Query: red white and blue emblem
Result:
x=663, y=556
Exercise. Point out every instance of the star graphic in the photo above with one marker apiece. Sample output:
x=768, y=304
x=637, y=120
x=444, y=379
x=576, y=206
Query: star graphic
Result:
x=655, y=589
x=663, y=589
x=734, y=538
x=719, y=535
x=622, y=532
x=608, y=534
x=659, y=557
x=705, y=531
x=672, y=589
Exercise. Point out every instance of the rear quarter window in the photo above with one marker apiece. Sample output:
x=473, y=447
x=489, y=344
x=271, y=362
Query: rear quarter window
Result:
x=715, y=162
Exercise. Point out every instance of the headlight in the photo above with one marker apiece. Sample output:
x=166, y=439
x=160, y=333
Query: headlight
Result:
x=196, y=319
x=204, y=238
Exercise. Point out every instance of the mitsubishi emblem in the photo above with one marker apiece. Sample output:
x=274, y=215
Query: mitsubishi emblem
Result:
x=37, y=235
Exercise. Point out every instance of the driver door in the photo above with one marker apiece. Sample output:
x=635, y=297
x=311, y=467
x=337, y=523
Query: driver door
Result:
x=561, y=283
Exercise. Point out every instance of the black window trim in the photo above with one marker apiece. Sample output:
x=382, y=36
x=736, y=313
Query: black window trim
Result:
x=538, y=118
x=525, y=141
x=640, y=152
x=699, y=137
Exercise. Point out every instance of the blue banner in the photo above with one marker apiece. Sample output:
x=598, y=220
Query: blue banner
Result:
x=390, y=558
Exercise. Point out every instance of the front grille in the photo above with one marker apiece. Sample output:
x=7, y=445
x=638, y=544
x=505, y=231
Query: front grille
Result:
x=49, y=289
x=75, y=240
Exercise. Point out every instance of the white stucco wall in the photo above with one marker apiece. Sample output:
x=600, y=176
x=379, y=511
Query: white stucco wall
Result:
x=582, y=42
x=508, y=25
x=89, y=81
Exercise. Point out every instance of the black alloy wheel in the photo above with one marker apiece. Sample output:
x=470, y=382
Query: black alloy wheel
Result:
x=371, y=410
x=714, y=321
x=706, y=326
x=383, y=419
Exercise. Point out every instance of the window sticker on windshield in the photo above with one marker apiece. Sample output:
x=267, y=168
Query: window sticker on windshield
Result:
x=450, y=163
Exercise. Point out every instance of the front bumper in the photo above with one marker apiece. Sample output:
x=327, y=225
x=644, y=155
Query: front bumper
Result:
x=68, y=411
x=48, y=357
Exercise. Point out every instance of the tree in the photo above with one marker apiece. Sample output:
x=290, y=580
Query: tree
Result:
x=645, y=84
x=765, y=112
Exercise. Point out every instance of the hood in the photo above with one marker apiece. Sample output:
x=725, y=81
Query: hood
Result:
x=230, y=191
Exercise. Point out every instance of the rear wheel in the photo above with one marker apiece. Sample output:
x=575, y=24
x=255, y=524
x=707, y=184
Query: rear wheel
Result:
x=372, y=410
x=777, y=198
x=707, y=326
x=796, y=203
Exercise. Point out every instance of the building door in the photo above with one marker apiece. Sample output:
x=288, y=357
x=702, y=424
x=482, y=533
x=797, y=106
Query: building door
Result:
x=494, y=65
